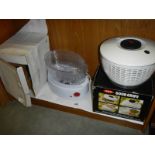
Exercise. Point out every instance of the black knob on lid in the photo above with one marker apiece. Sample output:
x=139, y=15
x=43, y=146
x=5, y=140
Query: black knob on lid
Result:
x=131, y=44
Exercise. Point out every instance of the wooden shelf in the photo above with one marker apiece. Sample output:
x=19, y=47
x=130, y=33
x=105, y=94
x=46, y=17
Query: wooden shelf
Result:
x=83, y=107
x=87, y=114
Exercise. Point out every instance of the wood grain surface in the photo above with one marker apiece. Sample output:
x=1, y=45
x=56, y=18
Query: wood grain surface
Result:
x=85, y=36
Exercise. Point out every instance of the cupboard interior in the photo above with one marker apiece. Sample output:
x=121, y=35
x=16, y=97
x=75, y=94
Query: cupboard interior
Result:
x=85, y=36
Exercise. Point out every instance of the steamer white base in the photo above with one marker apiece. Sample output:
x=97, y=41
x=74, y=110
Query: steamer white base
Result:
x=70, y=91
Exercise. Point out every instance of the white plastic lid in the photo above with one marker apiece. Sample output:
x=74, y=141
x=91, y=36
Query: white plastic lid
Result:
x=129, y=51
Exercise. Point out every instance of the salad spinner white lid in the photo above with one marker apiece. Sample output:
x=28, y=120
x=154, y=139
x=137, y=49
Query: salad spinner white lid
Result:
x=143, y=55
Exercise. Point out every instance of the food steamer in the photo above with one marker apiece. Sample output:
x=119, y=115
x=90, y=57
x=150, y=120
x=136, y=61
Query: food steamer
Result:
x=67, y=74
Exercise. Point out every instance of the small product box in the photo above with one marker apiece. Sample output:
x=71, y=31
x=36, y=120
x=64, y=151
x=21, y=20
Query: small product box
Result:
x=133, y=103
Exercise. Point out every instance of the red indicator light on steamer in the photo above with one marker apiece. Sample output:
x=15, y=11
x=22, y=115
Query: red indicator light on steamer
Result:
x=108, y=91
x=76, y=94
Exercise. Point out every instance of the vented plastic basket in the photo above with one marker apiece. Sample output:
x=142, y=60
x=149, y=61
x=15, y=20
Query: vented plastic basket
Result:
x=127, y=75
